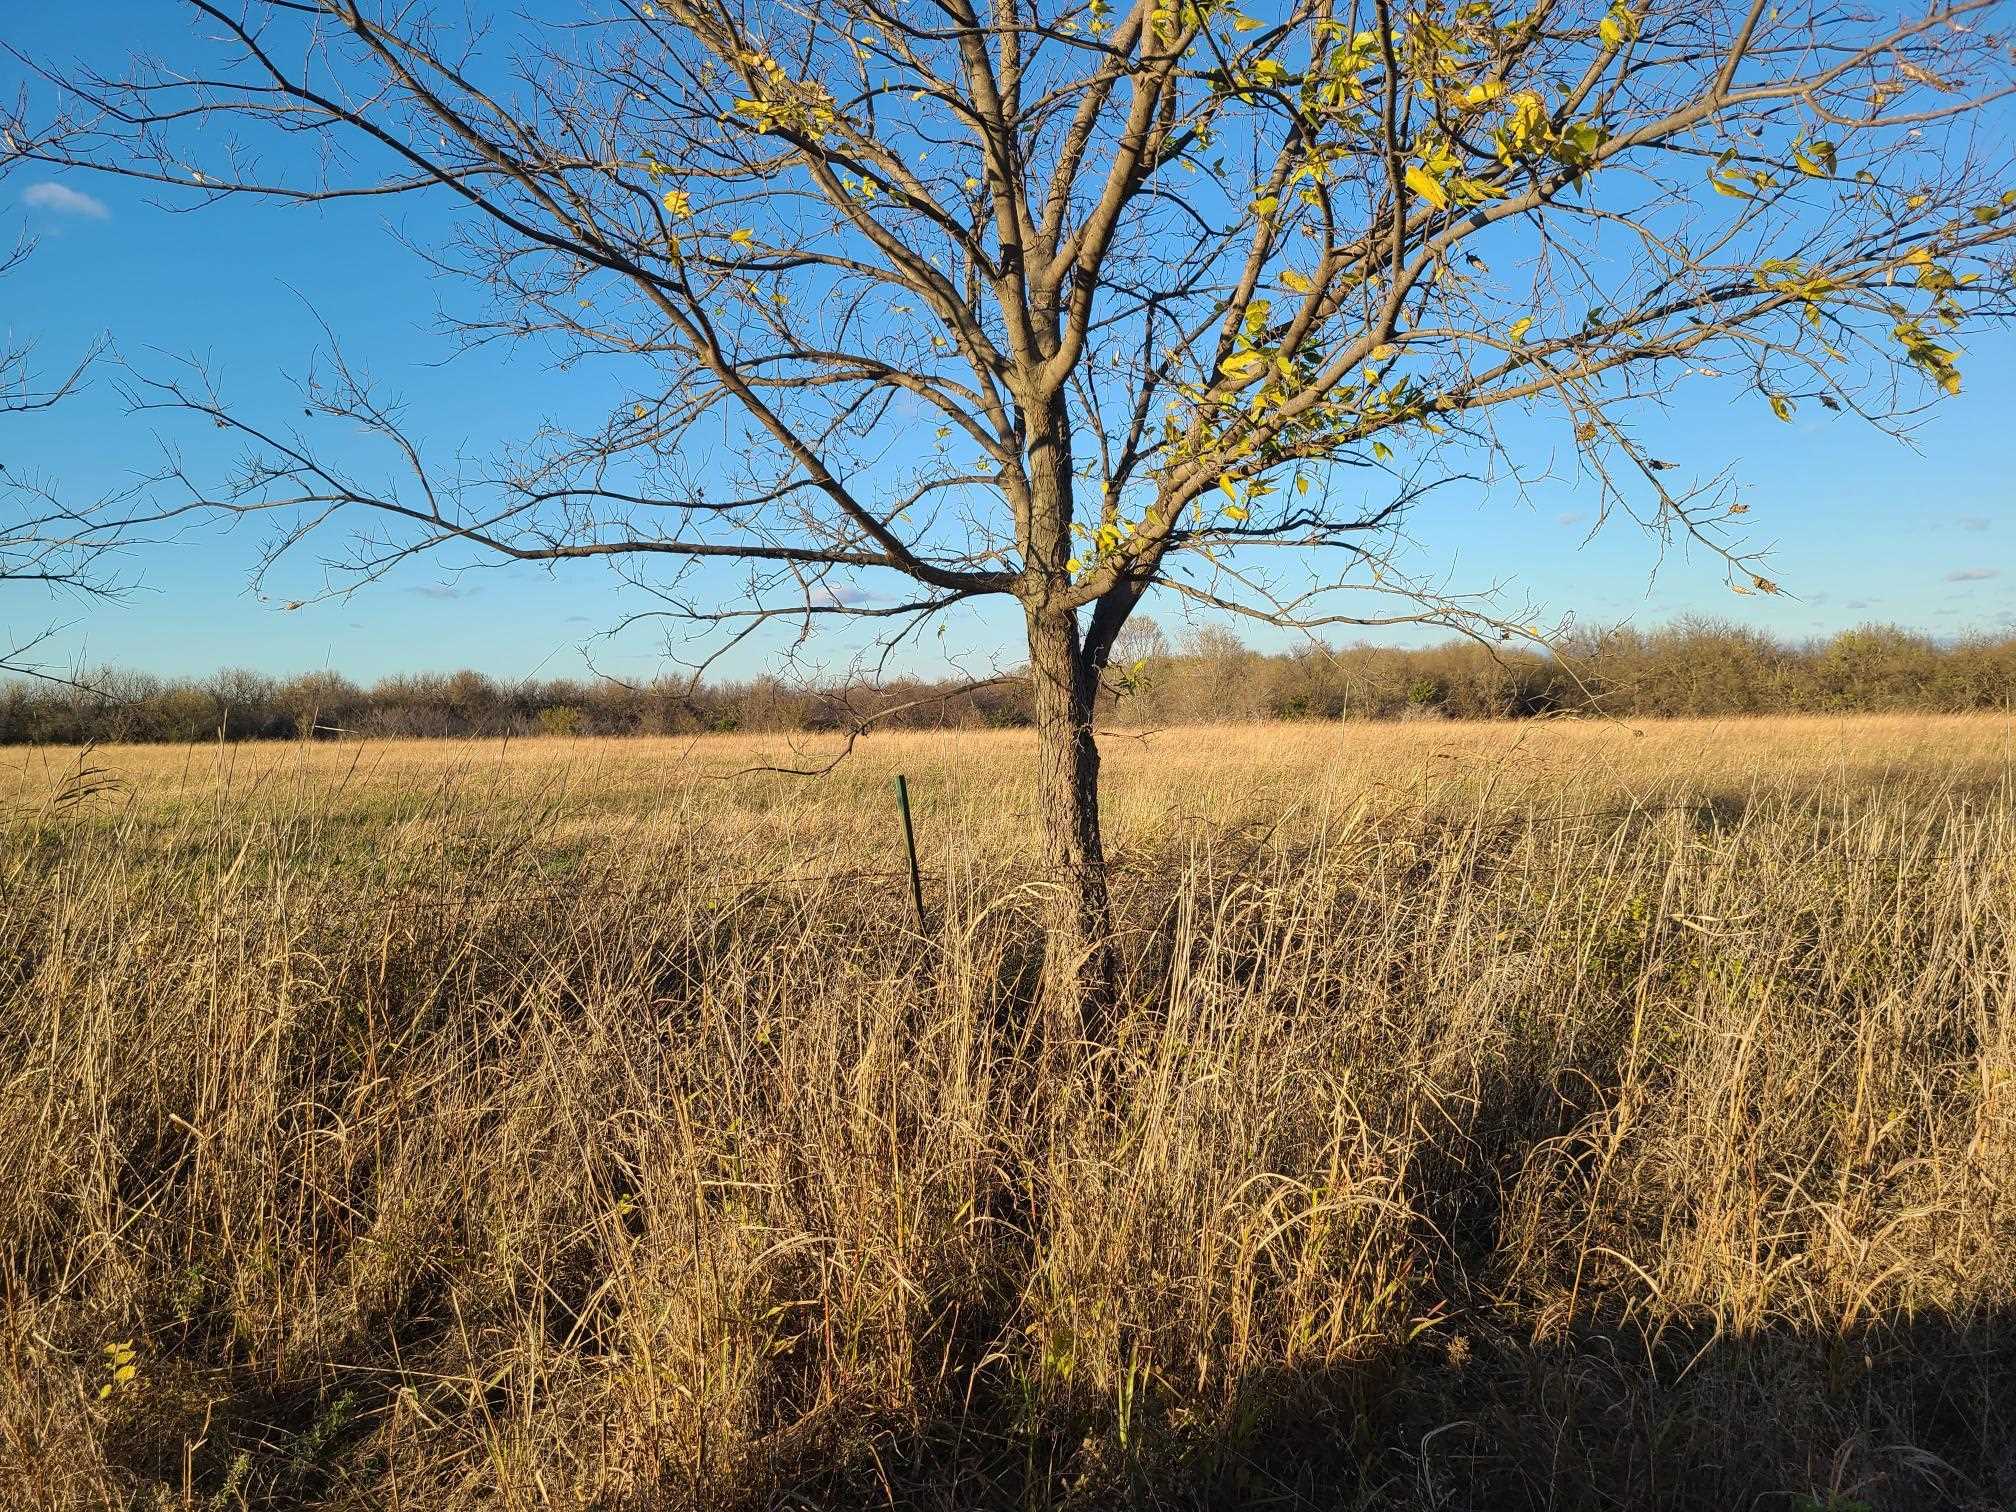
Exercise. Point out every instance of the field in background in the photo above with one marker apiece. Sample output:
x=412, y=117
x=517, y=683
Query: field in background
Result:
x=1552, y=1114
x=976, y=786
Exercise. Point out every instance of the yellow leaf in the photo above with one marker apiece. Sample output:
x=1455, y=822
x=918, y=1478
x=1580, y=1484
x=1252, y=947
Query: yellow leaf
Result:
x=1301, y=483
x=1781, y=406
x=1384, y=350
x=1483, y=94
x=1520, y=328
x=1073, y=565
x=1245, y=24
x=1382, y=451
x=1235, y=511
x=678, y=202
x=1231, y=488
x=1611, y=33
x=1266, y=207
x=1299, y=282
x=1242, y=365
x=637, y=411
x=743, y=238
x=1428, y=188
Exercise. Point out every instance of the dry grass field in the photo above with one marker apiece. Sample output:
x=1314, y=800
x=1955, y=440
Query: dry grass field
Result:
x=1557, y=1116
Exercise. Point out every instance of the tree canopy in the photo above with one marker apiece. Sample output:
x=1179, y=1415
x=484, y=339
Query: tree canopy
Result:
x=1059, y=301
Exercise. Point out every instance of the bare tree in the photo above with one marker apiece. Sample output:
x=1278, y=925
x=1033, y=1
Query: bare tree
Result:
x=1055, y=302
x=46, y=545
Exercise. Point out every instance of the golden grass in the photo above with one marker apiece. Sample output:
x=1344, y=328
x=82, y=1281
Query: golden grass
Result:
x=1500, y=1115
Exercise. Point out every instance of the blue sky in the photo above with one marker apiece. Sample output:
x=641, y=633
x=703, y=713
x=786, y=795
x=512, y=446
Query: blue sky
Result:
x=1864, y=528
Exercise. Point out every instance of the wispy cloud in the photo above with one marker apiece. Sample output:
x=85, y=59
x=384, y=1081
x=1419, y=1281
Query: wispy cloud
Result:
x=1974, y=522
x=1973, y=574
x=444, y=591
x=842, y=597
x=1570, y=517
x=61, y=199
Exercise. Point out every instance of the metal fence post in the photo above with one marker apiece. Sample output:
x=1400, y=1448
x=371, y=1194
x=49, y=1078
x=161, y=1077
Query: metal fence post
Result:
x=910, y=845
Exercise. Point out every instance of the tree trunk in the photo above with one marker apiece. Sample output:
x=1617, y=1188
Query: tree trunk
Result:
x=1078, y=957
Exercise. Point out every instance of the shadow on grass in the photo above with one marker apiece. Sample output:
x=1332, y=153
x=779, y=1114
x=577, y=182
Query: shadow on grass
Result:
x=1918, y=1415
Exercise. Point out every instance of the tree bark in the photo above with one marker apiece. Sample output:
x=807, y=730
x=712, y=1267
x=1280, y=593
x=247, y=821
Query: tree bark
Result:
x=1078, y=956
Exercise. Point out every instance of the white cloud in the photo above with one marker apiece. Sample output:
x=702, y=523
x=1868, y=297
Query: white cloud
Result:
x=1973, y=574
x=60, y=199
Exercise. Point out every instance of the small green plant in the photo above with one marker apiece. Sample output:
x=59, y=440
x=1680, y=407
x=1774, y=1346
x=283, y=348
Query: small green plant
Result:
x=313, y=1445
x=229, y=1493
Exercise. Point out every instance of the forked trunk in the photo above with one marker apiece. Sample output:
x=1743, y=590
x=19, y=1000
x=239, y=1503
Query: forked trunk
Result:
x=1079, y=962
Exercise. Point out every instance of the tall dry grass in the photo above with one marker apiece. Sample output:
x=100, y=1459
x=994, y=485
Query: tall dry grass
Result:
x=1544, y=1117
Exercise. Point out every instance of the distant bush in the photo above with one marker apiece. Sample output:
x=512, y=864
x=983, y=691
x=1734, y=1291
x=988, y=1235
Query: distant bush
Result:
x=1695, y=667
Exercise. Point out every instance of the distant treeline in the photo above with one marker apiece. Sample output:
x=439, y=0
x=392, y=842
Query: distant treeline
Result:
x=1693, y=667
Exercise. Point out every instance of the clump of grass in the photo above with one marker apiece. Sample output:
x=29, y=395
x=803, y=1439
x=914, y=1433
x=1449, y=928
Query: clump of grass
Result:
x=1536, y=1118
